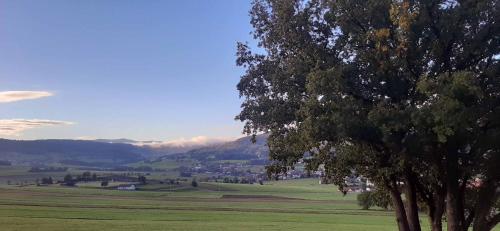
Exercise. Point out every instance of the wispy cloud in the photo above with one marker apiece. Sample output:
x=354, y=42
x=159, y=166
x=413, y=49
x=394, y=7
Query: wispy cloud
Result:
x=12, y=96
x=14, y=127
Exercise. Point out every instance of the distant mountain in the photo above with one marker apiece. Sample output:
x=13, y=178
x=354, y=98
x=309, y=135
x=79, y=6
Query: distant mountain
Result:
x=240, y=149
x=80, y=152
x=115, y=152
x=162, y=150
x=154, y=149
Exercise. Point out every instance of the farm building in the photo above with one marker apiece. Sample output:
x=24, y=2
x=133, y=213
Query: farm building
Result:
x=127, y=187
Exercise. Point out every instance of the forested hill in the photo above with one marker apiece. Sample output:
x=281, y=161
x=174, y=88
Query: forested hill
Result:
x=81, y=152
x=240, y=149
x=104, y=154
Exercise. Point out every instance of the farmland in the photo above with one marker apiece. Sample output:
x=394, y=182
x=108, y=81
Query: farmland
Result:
x=301, y=204
x=283, y=205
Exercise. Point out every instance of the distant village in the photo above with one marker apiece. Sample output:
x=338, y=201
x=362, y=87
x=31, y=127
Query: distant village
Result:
x=127, y=178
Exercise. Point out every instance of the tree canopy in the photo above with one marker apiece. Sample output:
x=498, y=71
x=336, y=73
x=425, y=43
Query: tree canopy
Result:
x=403, y=92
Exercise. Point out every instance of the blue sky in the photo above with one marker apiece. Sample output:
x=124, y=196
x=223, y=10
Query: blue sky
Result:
x=146, y=70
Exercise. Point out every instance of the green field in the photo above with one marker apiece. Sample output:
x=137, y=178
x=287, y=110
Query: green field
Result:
x=277, y=205
x=283, y=205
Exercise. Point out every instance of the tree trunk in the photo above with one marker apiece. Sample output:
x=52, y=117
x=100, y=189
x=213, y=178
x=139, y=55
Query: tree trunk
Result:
x=488, y=195
x=411, y=203
x=437, y=225
x=436, y=211
x=453, y=213
x=399, y=207
x=461, y=208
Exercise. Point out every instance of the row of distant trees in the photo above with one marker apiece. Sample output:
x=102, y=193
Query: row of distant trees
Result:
x=234, y=180
x=48, y=169
x=70, y=180
x=242, y=180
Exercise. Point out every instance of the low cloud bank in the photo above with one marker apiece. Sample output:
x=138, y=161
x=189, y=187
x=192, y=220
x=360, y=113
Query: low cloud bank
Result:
x=189, y=142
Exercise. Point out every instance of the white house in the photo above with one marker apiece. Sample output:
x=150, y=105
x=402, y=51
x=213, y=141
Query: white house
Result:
x=127, y=187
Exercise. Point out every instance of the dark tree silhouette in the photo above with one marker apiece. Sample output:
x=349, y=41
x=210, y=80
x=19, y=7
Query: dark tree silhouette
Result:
x=405, y=93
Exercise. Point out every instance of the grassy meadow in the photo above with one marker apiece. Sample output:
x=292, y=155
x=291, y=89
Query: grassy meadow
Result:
x=283, y=205
x=277, y=205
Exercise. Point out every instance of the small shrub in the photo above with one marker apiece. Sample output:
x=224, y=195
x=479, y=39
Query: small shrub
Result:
x=375, y=198
x=365, y=200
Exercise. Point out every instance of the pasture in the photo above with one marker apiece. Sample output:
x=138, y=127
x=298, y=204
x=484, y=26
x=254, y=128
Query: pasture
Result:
x=282, y=205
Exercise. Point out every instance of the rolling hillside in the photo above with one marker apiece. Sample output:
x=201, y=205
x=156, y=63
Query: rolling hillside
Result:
x=81, y=152
x=240, y=149
x=105, y=153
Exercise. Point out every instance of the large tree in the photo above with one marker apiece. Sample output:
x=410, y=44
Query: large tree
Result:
x=405, y=93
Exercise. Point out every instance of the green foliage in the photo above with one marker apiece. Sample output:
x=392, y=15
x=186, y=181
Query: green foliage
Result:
x=47, y=180
x=365, y=200
x=69, y=181
x=86, y=176
x=381, y=199
x=142, y=179
x=375, y=198
x=68, y=178
x=396, y=91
